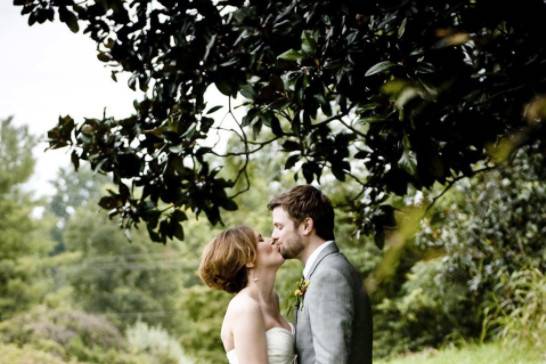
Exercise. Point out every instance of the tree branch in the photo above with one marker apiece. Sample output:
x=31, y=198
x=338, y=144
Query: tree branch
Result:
x=242, y=170
x=452, y=182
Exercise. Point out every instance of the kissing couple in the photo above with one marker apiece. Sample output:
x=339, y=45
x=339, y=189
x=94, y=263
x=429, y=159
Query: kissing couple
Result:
x=333, y=319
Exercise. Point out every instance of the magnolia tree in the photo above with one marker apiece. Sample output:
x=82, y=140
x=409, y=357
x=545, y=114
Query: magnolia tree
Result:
x=383, y=94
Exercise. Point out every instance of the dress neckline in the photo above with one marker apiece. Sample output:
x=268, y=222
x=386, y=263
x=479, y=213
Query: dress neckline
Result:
x=291, y=332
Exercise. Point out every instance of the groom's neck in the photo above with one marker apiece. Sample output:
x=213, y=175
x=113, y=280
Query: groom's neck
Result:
x=313, y=244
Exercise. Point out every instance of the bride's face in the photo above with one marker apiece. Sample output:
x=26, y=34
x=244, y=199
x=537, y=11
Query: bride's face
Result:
x=268, y=254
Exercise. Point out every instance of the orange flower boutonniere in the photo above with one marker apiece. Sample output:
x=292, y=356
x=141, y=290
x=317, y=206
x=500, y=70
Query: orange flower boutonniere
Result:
x=300, y=292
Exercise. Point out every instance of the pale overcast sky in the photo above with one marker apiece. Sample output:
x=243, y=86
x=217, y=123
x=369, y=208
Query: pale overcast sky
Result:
x=47, y=71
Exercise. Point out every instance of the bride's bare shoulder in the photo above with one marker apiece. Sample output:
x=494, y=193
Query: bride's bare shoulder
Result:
x=243, y=314
x=243, y=304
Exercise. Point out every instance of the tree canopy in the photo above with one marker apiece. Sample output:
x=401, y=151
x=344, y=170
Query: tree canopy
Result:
x=388, y=94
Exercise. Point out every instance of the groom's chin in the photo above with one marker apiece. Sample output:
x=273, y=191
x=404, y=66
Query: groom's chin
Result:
x=286, y=255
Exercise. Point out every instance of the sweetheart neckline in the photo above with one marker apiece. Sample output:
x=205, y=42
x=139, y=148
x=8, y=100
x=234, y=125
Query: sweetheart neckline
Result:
x=291, y=332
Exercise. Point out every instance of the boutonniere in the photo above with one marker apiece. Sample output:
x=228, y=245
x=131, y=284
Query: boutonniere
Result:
x=300, y=292
x=295, y=300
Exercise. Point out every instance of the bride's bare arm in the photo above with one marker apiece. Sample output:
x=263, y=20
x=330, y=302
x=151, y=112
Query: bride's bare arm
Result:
x=249, y=333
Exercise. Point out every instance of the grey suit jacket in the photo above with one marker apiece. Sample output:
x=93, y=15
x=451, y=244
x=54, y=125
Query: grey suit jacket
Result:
x=334, y=324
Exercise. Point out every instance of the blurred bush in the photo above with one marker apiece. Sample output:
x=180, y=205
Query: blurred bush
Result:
x=126, y=280
x=203, y=311
x=521, y=315
x=14, y=354
x=68, y=335
x=156, y=343
x=477, y=265
x=63, y=328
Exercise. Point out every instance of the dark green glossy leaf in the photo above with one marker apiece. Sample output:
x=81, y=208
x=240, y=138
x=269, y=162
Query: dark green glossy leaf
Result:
x=179, y=215
x=178, y=231
x=110, y=202
x=379, y=68
x=214, y=109
x=69, y=18
x=276, y=126
x=290, y=146
x=308, y=171
x=291, y=161
x=228, y=204
x=226, y=87
x=290, y=55
x=408, y=162
x=308, y=42
x=248, y=92
x=75, y=160
x=104, y=57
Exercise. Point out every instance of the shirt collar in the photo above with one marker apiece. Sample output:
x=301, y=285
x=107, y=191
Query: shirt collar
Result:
x=313, y=257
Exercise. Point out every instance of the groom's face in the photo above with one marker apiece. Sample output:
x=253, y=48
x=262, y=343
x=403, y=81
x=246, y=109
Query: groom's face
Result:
x=285, y=234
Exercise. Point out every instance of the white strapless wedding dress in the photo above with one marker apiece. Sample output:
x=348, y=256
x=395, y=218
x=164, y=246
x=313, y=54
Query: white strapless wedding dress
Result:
x=280, y=347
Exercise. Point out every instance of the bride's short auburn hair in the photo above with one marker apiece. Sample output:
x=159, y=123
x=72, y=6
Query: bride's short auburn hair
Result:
x=224, y=259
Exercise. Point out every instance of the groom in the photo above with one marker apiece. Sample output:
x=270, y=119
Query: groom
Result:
x=334, y=323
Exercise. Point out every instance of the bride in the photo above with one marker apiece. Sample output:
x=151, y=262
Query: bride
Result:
x=240, y=261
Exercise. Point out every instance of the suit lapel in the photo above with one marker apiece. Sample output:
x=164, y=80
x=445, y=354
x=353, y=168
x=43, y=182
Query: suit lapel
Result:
x=330, y=249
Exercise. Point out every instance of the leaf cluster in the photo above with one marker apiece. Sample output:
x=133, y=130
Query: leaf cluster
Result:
x=392, y=94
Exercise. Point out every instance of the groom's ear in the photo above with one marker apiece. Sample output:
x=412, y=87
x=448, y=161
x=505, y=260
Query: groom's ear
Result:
x=308, y=225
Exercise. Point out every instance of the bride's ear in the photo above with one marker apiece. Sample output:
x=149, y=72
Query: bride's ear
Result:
x=250, y=265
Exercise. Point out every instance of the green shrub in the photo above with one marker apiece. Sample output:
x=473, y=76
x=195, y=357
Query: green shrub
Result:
x=13, y=354
x=69, y=335
x=204, y=310
x=428, y=311
x=471, y=274
x=61, y=326
x=73, y=336
x=156, y=343
x=521, y=315
x=493, y=234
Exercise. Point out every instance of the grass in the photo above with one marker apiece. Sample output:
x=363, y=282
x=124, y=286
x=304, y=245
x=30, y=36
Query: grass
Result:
x=491, y=353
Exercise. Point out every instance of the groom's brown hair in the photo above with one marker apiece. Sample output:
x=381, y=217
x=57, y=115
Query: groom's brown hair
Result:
x=307, y=201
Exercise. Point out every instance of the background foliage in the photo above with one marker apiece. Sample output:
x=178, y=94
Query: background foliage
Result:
x=20, y=236
x=472, y=269
x=384, y=104
x=393, y=94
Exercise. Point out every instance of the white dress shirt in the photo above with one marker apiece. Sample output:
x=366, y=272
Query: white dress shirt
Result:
x=313, y=257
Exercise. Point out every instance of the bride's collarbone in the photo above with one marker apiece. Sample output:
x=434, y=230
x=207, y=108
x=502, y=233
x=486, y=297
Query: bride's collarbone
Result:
x=278, y=322
x=273, y=318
